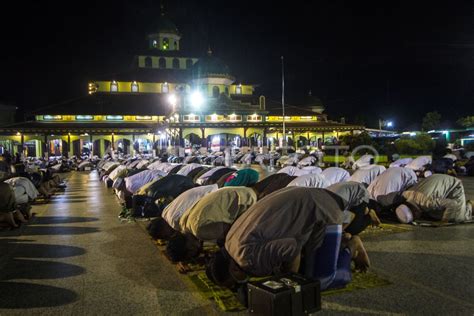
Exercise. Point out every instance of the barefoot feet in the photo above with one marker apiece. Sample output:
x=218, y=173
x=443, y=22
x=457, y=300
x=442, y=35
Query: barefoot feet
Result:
x=19, y=217
x=359, y=254
x=9, y=219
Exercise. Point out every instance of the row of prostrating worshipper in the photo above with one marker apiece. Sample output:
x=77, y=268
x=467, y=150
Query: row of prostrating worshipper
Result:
x=25, y=183
x=301, y=219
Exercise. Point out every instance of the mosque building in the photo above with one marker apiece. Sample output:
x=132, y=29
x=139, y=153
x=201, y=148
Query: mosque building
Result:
x=169, y=99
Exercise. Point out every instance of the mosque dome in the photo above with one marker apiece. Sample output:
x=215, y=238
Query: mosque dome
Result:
x=165, y=25
x=210, y=66
x=313, y=103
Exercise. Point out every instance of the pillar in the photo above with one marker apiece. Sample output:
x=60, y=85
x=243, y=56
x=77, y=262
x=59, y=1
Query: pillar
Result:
x=101, y=147
x=132, y=146
x=71, y=147
x=22, y=145
x=203, y=137
x=181, y=139
x=264, y=138
x=45, y=146
x=68, y=147
x=245, y=142
x=92, y=146
x=37, y=148
x=113, y=142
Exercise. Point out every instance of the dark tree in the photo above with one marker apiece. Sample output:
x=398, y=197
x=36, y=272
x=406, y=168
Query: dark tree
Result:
x=431, y=121
x=467, y=121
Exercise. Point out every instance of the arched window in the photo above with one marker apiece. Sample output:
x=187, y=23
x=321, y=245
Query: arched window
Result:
x=134, y=86
x=113, y=86
x=166, y=43
x=176, y=63
x=148, y=62
x=165, y=88
x=215, y=92
x=162, y=62
x=262, y=102
x=238, y=89
x=189, y=63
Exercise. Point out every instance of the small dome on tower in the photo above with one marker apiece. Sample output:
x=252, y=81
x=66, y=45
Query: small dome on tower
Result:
x=313, y=103
x=165, y=25
x=166, y=36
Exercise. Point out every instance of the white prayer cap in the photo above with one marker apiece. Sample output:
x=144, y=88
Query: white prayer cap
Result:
x=404, y=214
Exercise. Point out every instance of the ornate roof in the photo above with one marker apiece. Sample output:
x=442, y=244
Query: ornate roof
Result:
x=165, y=25
x=147, y=75
x=210, y=66
x=111, y=104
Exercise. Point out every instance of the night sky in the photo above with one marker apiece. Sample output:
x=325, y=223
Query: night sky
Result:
x=395, y=60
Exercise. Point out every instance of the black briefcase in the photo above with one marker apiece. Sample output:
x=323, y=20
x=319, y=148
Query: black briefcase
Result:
x=291, y=294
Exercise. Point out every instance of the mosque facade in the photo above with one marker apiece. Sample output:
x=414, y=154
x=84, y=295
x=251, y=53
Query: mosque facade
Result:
x=169, y=99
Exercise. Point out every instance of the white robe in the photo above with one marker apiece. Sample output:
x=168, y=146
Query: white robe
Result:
x=207, y=174
x=133, y=164
x=143, y=163
x=84, y=164
x=310, y=180
x=307, y=161
x=353, y=193
x=173, y=212
x=115, y=173
x=56, y=167
x=419, y=163
x=401, y=162
x=154, y=165
x=312, y=169
x=26, y=184
x=292, y=160
x=109, y=165
x=394, y=179
x=188, y=168
x=440, y=194
x=367, y=174
x=165, y=167
x=247, y=159
x=451, y=156
x=335, y=175
x=362, y=162
x=135, y=182
x=261, y=157
x=293, y=171
x=20, y=195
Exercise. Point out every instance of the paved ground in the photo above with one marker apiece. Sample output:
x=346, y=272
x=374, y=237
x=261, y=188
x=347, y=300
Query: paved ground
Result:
x=77, y=258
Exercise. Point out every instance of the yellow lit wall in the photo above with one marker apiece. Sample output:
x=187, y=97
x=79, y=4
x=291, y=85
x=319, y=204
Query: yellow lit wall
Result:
x=143, y=87
x=291, y=118
x=157, y=87
x=215, y=131
x=246, y=89
x=169, y=61
x=211, y=87
x=126, y=118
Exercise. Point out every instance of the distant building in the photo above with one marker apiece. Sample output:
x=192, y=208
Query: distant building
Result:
x=462, y=136
x=169, y=99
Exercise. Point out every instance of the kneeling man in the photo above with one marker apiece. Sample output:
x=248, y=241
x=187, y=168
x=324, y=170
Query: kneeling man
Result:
x=440, y=197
